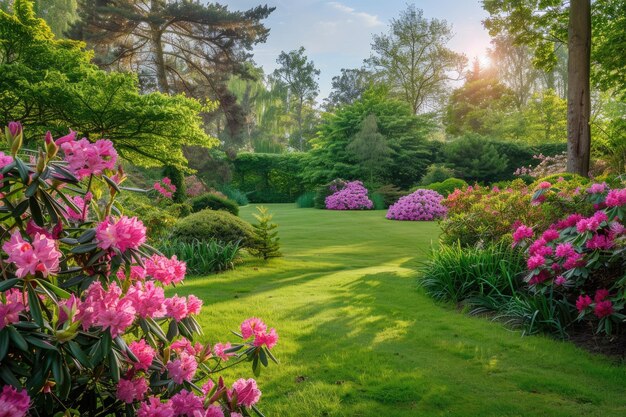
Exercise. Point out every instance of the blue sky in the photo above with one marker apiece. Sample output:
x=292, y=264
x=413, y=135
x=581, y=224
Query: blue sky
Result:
x=337, y=34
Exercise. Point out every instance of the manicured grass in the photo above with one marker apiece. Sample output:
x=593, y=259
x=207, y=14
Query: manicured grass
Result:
x=358, y=338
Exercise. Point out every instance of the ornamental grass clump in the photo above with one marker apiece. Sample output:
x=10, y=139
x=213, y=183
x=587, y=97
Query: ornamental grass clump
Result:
x=419, y=205
x=85, y=326
x=353, y=196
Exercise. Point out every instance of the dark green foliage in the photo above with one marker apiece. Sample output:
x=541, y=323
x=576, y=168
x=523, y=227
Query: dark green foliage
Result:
x=306, y=200
x=178, y=179
x=378, y=200
x=269, y=178
x=267, y=241
x=214, y=202
x=448, y=186
x=235, y=194
x=475, y=159
x=405, y=134
x=390, y=194
x=209, y=224
x=203, y=257
x=437, y=173
x=180, y=209
x=324, y=191
x=370, y=148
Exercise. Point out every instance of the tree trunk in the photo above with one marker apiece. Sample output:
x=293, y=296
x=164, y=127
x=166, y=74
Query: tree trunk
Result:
x=578, y=94
x=156, y=6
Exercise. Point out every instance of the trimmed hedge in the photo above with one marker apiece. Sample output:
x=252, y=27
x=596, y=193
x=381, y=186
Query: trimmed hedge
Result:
x=447, y=187
x=209, y=224
x=213, y=202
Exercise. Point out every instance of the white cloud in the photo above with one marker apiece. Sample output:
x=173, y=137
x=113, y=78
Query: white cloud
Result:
x=369, y=20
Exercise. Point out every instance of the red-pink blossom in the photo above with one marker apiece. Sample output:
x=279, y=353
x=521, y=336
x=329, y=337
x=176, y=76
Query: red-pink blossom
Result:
x=573, y=261
x=183, y=368
x=251, y=326
x=106, y=309
x=137, y=273
x=147, y=299
x=125, y=233
x=13, y=403
x=144, y=352
x=166, y=270
x=544, y=185
x=176, y=307
x=583, y=302
x=187, y=404
x=247, y=392
x=535, y=261
x=603, y=309
x=601, y=295
x=85, y=158
x=616, y=198
x=597, y=188
x=537, y=245
x=42, y=256
x=5, y=160
x=540, y=277
x=550, y=235
x=155, y=408
x=130, y=391
x=521, y=233
x=82, y=206
x=216, y=411
x=560, y=280
x=219, y=349
x=564, y=250
x=268, y=339
x=599, y=242
x=11, y=308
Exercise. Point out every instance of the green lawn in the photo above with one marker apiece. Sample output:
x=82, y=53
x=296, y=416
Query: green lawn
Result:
x=358, y=338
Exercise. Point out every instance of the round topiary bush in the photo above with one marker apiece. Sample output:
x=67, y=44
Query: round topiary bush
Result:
x=352, y=197
x=420, y=205
x=214, y=224
x=214, y=202
x=447, y=187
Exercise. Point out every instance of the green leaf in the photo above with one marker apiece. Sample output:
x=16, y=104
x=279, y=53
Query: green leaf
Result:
x=17, y=339
x=263, y=357
x=35, y=306
x=84, y=248
x=35, y=341
x=8, y=377
x=4, y=343
x=22, y=169
x=79, y=354
x=87, y=236
x=172, y=330
x=58, y=291
x=114, y=366
x=7, y=284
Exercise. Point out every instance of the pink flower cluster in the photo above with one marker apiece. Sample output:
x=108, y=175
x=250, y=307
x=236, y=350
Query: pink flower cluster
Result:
x=419, y=205
x=165, y=187
x=41, y=256
x=12, y=303
x=255, y=327
x=166, y=270
x=601, y=306
x=121, y=234
x=5, y=160
x=85, y=158
x=82, y=204
x=353, y=196
x=13, y=403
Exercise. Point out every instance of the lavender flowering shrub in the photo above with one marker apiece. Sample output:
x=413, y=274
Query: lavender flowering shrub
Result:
x=353, y=196
x=420, y=205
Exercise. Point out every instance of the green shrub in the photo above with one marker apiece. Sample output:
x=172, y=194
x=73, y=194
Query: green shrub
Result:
x=207, y=225
x=214, y=202
x=236, y=195
x=572, y=180
x=325, y=190
x=267, y=240
x=448, y=186
x=436, y=173
x=203, y=257
x=379, y=201
x=306, y=200
x=456, y=273
x=390, y=194
x=180, y=210
x=157, y=220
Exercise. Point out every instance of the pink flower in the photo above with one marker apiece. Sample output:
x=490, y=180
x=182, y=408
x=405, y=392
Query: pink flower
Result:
x=85, y=158
x=247, y=392
x=220, y=351
x=536, y=246
x=106, y=309
x=560, y=280
x=11, y=308
x=521, y=233
x=187, y=404
x=569, y=222
x=182, y=369
x=583, y=302
x=118, y=318
x=535, y=261
x=603, y=309
x=13, y=403
x=166, y=189
x=600, y=295
x=5, y=160
x=194, y=304
x=550, y=235
x=564, y=250
x=540, y=277
x=176, y=307
x=599, y=242
x=268, y=339
x=131, y=390
x=597, y=188
x=545, y=185
x=252, y=326
x=353, y=196
x=147, y=299
x=616, y=198
x=137, y=273
x=420, y=205
x=144, y=353
x=80, y=204
x=155, y=408
x=42, y=256
x=573, y=261
x=15, y=128
x=215, y=411
x=125, y=233
x=166, y=270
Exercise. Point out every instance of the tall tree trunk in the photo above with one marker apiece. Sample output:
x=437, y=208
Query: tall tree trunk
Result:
x=578, y=94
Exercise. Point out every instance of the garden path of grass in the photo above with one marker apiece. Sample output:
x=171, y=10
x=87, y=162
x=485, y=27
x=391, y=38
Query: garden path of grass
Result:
x=358, y=338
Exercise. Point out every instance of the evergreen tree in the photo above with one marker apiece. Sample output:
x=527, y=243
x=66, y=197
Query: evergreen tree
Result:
x=267, y=240
x=370, y=148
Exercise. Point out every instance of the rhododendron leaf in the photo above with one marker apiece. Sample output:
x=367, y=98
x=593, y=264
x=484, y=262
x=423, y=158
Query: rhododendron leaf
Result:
x=35, y=341
x=35, y=307
x=35, y=211
x=111, y=183
x=271, y=355
x=7, y=284
x=79, y=354
x=58, y=291
x=84, y=248
x=22, y=169
x=50, y=208
x=156, y=329
x=87, y=236
x=69, y=241
x=64, y=174
x=172, y=330
x=256, y=410
x=263, y=357
x=4, y=342
x=20, y=209
x=256, y=369
x=31, y=190
x=17, y=339
x=9, y=377
x=8, y=168
x=233, y=349
x=135, y=190
x=114, y=366
x=95, y=257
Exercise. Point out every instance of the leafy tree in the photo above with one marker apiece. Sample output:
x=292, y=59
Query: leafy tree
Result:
x=475, y=159
x=370, y=148
x=347, y=88
x=50, y=84
x=405, y=133
x=58, y=14
x=546, y=117
x=267, y=241
x=299, y=75
x=479, y=104
x=414, y=60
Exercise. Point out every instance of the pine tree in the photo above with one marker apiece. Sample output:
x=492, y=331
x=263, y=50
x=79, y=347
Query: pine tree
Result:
x=267, y=245
x=370, y=147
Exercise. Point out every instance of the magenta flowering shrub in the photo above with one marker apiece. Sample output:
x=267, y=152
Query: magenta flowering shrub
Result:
x=85, y=326
x=419, y=205
x=580, y=257
x=352, y=196
x=165, y=187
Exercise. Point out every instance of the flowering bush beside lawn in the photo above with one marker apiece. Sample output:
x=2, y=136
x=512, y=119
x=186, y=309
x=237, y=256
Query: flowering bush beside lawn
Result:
x=85, y=327
x=419, y=205
x=352, y=195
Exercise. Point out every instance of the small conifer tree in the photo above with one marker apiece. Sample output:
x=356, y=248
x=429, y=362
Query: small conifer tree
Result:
x=267, y=245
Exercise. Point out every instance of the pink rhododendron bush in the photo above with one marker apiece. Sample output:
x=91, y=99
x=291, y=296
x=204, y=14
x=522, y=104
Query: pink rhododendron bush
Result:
x=351, y=195
x=419, y=205
x=85, y=327
x=579, y=260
